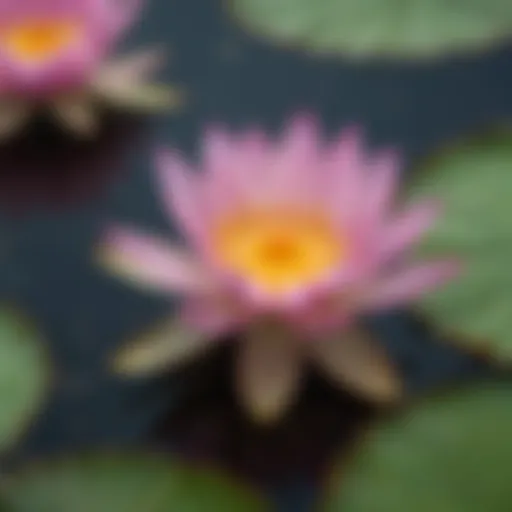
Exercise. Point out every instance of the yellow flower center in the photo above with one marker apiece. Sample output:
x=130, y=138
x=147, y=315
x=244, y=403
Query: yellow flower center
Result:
x=38, y=40
x=279, y=251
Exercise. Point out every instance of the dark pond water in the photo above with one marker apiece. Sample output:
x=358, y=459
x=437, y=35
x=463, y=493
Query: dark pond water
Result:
x=56, y=196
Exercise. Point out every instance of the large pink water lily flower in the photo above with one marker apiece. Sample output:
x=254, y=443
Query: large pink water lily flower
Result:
x=288, y=243
x=53, y=53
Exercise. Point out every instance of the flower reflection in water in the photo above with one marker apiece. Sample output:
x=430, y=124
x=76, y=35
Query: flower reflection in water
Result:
x=45, y=167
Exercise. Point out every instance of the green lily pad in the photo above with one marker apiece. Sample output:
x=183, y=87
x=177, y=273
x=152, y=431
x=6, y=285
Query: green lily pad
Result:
x=125, y=483
x=474, y=183
x=23, y=375
x=370, y=28
x=451, y=453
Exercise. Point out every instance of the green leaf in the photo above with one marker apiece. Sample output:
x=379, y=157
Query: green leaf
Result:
x=23, y=375
x=371, y=28
x=451, y=453
x=125, y=483
x=474, y=183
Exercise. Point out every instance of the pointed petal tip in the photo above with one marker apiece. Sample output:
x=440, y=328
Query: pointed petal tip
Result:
x=352, y=132
x=216, y=145
x=106, y=259
x=451, y=269
x=143, y=98
x=131, y=361
x=121, y=363
x=142, y=63
x=303, y=119
x=393, y=393
x=126, y=83
x=158, y=96
x=268, y=373
x=108, y=234
x=162, y=348
x=423, y=214
x=358, y=364
x=387, y=393
x=302, y=125
x=78, y=114
x=408, y=285
x=114, y=233
x=14, y=117
x=101, y=255
x=162, y=155
x=391, y=156
x=106, y=251
x=173, y=175
x=349, y=140
x=124, y=14
x=253, y=138
x=215, y=129
x=265, y=415
x=268, y=410
x=166, y=159
x=159, y=52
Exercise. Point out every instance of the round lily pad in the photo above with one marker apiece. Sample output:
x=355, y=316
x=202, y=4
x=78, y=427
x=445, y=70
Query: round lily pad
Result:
x=370, y=28
x=23, y=375
x=126, y=483
x=449, y=454
x=473, y=181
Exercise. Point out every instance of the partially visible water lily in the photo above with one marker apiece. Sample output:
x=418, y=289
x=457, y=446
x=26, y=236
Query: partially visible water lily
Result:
x=289, y=243
x=53, y=54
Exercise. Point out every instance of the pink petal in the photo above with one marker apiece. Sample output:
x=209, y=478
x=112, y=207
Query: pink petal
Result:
x=252, y=163
x=11, y=10
x=293, y=172
x=236, y=172
x=152, y=262
x=319, y=319
x=381, y=188
x=218, y=150
x=221, y=162
x=214, y=314
x=408, y=285
x=121, y=14
x=237, y=168
x=407, y=229
x=344, y=174
x=182, y=194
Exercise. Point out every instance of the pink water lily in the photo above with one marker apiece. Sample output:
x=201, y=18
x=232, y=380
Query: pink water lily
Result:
x=54, y=53
x=289, y=243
